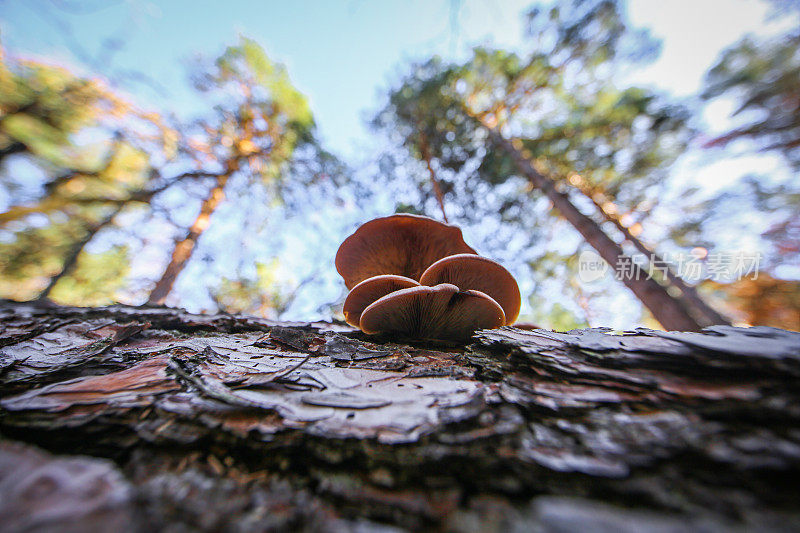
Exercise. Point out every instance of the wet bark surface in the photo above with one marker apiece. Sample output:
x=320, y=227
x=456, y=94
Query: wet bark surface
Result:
x=125, y=418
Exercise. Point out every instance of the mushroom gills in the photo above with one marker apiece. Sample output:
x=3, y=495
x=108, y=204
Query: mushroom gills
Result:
x=442, y=312
x=370, y=290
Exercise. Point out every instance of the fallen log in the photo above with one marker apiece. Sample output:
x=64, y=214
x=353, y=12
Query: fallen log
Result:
x=151, y=418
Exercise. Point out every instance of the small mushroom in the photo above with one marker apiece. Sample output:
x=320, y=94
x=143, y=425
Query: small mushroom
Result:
x=472, y=272
x=442, y=312
x=370, y=290
x=404, y=245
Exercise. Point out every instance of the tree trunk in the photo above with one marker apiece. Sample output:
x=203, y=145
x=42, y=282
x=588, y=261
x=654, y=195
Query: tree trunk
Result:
x=704, y=314
x=153, y=419
x=139, y=196
x=437, y=189
x=72, y=257
x=183, y=250
x=667, y=310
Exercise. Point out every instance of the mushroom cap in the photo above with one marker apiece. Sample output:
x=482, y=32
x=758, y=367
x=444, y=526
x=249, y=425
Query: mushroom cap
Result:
x=467, y=271
x=370, y=290
x=402, y=244
x=441, y=312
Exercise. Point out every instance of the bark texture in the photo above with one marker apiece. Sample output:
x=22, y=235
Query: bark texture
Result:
x=142, y=419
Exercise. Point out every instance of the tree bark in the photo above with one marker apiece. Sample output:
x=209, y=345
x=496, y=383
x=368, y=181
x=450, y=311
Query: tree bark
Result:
x=153, y=419
x=183, y=250
x=667, y=310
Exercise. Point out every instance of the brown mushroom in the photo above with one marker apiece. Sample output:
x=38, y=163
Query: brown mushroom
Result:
x=472, y=272
x=404, y=245
x=370, y=290
x=441, y=312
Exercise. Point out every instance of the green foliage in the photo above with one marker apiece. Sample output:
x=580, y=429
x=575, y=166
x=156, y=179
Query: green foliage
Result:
x=285, y=98
x=560, y=105
x=31, y=256
x=263, y=294
x=260, y=134
x=96, y=280
x=559, y=100
x=408, y=209
x=621, y=142
x=71, y=128
x=704, y=220
x=765, y=79
x=556, y=317
x=98, y=154
x=261, y=113
x=43, y=106
x=595, y=32
x=44, y=110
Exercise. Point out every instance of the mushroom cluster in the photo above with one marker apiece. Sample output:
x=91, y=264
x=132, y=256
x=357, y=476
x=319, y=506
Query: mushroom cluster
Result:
x=413, y=276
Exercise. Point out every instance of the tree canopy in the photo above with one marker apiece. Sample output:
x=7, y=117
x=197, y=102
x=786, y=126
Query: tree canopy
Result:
x=541, y=154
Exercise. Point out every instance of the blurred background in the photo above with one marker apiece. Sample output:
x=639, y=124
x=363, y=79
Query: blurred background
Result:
x=630, y=162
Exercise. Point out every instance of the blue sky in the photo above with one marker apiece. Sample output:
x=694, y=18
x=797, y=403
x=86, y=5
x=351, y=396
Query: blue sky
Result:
x=344, y=55
x=338, y=53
